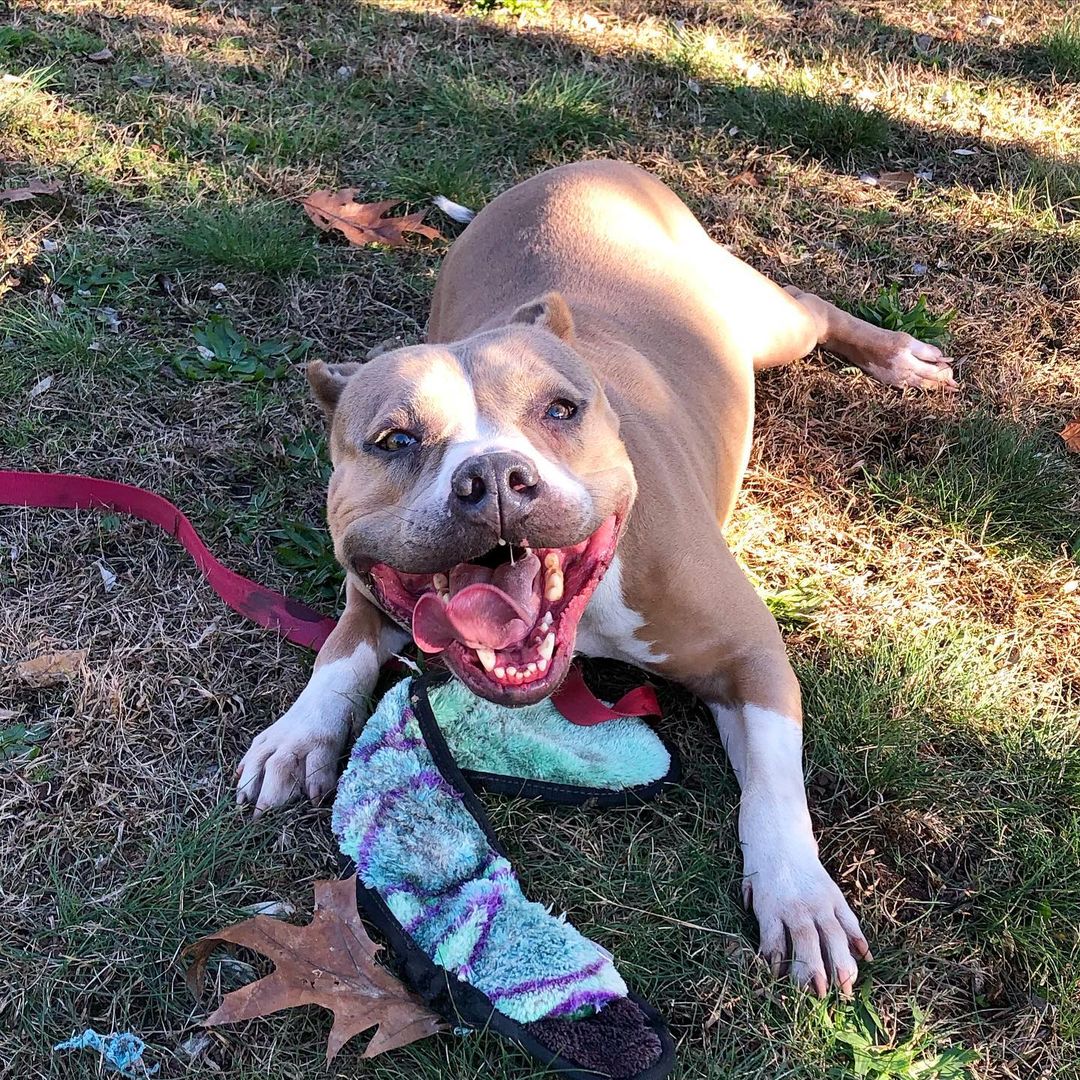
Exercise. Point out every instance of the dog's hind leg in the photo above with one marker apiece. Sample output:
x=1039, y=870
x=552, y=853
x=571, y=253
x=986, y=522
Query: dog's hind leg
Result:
x=776, y=326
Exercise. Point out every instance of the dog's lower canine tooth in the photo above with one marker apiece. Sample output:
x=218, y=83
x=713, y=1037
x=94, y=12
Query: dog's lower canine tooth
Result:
x=542, y=665
x=547, y=646
x=487, y=658
x=553, y=587
x=500, y=673
x=551, y=561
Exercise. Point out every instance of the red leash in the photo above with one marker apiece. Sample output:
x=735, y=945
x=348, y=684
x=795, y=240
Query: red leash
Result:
x=294, y=621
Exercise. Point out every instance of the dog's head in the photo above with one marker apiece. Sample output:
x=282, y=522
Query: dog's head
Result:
x=479, y=491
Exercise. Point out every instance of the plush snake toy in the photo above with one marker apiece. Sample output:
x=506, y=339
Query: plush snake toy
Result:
x=432, y=876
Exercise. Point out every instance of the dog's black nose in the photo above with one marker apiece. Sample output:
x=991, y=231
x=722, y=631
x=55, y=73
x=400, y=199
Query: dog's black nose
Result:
x=496, y=489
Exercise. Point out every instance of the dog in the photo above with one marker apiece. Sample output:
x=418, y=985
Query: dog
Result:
x=552, y=471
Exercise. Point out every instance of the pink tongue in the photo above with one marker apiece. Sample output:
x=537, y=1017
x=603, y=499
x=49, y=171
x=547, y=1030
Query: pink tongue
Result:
x=490, y=609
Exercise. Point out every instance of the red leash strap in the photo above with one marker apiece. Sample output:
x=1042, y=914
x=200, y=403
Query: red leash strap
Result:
x=294, y=621
x=582, y=707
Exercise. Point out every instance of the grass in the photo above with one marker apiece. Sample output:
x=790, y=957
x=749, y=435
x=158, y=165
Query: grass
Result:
x=259, y=239
x=919, y=551
x=1061, y=47
x=999, y=483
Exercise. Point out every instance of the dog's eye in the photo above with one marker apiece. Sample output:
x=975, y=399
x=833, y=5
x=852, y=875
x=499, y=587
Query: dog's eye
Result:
x=561, y=409
x=393, y=441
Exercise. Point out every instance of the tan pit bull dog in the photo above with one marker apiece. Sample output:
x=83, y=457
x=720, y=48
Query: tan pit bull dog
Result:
x=552, y=473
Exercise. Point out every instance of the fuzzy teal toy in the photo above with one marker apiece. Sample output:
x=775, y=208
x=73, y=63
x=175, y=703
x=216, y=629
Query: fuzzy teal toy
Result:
x=432, y=875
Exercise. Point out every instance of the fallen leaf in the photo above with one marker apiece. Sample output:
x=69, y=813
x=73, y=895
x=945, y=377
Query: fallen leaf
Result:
x=102, y=56
x=51, y=668
x=30, y=191
x=364, y=223
x=965, y=151
x=747, y=177
x=1070, y=435
x=896, y=181
x=330, y=962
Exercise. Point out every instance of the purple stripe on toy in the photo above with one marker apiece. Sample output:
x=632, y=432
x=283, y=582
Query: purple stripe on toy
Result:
x=551, y=982
x=429, y=778
x=581, y=999
x=449, y=895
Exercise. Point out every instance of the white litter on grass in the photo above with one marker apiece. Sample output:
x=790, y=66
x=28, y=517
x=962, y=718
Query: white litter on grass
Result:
x=965, y=151
x=50, y=247
x=276, y=909
x=454, y=211
x=40, y=387
x=108, y=578
x=926, y=175
x=219, y=288
x=869, y=179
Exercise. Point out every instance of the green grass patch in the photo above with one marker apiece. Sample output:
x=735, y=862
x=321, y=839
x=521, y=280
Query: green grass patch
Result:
x=560, y=111
x=1061, y=48
x=995, y=480
x=263, y=238
x=825, y=125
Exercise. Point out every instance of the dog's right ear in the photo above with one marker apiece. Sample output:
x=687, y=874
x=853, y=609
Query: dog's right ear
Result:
x=328, y=381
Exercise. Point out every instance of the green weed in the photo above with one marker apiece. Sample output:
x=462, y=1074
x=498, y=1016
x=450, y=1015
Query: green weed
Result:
x=309, y=552
x=221, y=351
x=888, y=310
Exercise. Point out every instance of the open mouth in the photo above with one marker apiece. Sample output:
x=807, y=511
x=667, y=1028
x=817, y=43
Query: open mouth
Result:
x=505, y=622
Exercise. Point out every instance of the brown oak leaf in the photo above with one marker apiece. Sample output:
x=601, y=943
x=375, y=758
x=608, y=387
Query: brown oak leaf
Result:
x=364, y=223
x=29, y=191
x=51, y=668
x=1070, y=435
x=896, y=181
x=330, y=962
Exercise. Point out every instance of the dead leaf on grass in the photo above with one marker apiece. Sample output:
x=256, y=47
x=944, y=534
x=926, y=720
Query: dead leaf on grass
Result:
x=29, y=191
x=363, y=223
x=330, y=962
x=896, y=181
x=102, y=56
x=747, y=177
x=51, y=668
x=1070, y=435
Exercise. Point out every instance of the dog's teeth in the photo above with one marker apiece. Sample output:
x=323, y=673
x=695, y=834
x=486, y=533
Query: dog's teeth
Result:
x=547, y=647
x=502, y=542
x=547, y=620
x=552, y=561
x=511, y=671
x=531, y=669
x=542, y=665
x=487, y=658
x=553, y=587
x=500, y=673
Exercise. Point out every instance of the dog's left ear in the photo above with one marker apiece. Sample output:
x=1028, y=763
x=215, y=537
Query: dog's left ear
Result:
x=550, y=312
x=327, y=382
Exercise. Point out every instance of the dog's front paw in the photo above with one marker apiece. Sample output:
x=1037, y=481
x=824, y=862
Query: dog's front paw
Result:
x=806, y=925
x=297, y=755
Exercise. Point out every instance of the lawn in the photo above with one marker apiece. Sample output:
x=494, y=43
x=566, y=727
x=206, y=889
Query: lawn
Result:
x=921, y=551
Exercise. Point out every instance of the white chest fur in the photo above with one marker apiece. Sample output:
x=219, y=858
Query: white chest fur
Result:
x=611, y=629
